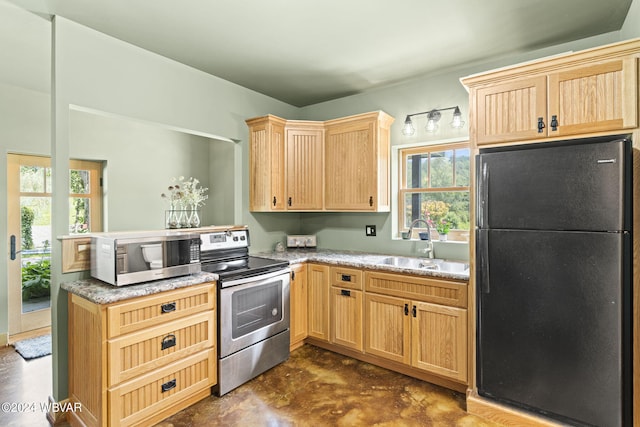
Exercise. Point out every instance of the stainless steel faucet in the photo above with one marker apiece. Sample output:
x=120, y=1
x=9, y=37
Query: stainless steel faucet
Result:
x=415, y=221
x=428, y=249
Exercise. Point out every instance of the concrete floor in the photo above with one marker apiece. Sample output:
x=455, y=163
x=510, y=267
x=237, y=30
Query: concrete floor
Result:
x=314, y=387
x=25, y=389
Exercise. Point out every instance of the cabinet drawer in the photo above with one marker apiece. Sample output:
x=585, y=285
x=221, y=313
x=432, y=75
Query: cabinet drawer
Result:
x=143, y=351
x=346, y=278
x=142, y=397
x=420, y=288
x=148, y=311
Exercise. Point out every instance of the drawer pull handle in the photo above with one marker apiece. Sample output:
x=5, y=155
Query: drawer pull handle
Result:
x=346, y=277
x=168, y=342
x=169, y=385
x=345, y=293
x=168, y=307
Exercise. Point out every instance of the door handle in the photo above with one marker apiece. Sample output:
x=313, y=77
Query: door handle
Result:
x=482, y=194
x=13, y=247
x=482, y=241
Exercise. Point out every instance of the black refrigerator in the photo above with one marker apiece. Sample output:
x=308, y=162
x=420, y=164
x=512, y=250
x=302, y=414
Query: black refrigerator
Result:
x=554, y=274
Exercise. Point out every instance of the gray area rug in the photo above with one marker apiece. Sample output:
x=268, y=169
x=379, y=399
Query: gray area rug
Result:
x=33, y=348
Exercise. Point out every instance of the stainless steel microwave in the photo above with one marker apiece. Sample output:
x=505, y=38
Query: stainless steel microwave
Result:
x=127, y=258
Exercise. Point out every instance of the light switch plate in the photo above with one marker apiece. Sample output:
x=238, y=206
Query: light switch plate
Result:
x=301, y=241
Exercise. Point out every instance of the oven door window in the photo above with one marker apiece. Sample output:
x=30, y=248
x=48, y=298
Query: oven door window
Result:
x=256, y=307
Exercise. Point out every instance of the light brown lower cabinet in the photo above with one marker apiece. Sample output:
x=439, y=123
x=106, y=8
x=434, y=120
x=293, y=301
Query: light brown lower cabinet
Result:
x=346, y=318
x=299, y=319
x=139, y=361
x=426, y=336
x=439, y=340
x=318, y=288
x=419, y=323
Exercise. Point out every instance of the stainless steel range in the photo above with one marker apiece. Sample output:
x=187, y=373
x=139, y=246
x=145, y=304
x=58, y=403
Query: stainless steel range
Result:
x=253, y=307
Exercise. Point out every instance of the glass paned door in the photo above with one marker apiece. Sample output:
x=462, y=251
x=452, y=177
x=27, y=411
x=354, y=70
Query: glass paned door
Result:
x=29, y=226
x=29, y=187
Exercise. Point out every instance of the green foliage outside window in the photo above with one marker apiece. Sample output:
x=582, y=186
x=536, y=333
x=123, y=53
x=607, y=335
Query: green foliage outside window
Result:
x=28, y=216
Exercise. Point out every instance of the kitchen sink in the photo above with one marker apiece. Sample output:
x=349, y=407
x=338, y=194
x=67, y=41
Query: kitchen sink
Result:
x=426, y=263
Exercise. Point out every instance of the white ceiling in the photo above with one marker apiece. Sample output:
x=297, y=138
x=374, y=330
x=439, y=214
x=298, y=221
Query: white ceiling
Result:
x=308, y=51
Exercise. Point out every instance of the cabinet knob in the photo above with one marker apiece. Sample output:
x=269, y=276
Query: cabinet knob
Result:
x=289, y=201
x=554, y=123
x=540, y=124
x=406, y=309
x=414, y=311
x=370, y=200
x=274, y=200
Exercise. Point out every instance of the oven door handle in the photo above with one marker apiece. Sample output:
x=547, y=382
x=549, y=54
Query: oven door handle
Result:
x=258, y=278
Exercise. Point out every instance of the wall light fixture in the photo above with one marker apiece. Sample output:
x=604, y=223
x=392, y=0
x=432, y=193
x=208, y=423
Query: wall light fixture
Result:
x=433, y=116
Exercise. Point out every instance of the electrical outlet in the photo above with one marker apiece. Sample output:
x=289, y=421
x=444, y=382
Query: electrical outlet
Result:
x=370, y=230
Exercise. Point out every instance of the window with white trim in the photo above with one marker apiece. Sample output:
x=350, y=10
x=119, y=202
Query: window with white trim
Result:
x=434, y=186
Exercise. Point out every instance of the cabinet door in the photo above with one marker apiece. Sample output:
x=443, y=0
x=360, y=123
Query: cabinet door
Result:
x=439, y=340
x=266, y=166
x=594, y=98
x=318, y=289
x=510, y=111
x=305, y=169
x=351, y=166
x=298, y=303
x=346, y=318
x=387, y=327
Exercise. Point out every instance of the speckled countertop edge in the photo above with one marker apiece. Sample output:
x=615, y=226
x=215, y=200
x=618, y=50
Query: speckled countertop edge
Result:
x=366, y=260
x=100, y=292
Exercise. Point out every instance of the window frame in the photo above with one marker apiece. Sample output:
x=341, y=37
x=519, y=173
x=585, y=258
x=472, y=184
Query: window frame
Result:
x=403, y=152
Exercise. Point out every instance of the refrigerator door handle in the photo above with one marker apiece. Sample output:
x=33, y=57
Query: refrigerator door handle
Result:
x=483, y=195
x=483, y=267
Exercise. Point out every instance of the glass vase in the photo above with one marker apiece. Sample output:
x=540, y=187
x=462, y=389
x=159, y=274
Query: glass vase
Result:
x=183, y=218
x=171, y=217
x=194, y=217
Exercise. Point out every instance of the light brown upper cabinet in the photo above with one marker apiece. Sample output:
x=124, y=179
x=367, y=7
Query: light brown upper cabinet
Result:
x=357, y=163
x=266, y=164
x=304, y=144
x=337, y=165
x=576, y=94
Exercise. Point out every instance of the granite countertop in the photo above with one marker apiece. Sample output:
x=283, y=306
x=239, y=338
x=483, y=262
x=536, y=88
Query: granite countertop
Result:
x=100, y=292
x=444, y=269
